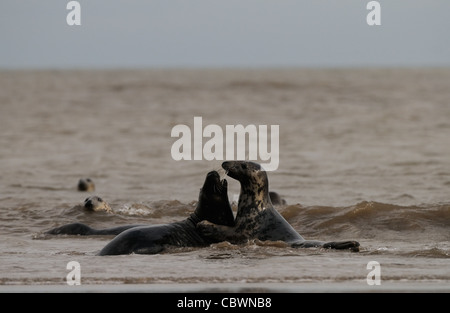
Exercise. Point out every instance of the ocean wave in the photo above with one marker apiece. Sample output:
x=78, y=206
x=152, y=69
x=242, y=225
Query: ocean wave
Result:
x=363, y=220
x=369, y=219
x=158, y=209
x=425, y=252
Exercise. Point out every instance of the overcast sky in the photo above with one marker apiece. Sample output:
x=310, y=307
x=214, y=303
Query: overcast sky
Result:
x=225, y=33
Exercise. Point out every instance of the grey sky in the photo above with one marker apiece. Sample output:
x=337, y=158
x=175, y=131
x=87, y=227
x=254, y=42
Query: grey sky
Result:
x=226, y=33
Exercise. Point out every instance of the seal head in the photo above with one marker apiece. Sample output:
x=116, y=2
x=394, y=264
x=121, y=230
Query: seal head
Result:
x=254, y=196
x=86, y=184
x=96, y=204
x=213, y=204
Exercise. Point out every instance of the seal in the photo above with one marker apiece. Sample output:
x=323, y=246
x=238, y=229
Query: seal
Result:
x=84, y=230
x=213, y=205
x=276, y=199
x=90, y=204
x=86, y=184
x=96, y=204
x=256, y=217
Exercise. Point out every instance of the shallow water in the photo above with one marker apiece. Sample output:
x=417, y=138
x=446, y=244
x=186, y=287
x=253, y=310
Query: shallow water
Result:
x=363, y=155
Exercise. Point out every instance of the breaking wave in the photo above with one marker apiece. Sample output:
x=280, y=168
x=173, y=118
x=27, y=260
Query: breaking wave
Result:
x=370, y=219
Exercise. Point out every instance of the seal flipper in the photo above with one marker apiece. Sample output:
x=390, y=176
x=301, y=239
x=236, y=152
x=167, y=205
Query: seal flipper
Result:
x=154, y=249
x=84, y=230
x=218, y=233
x=307, y=244
x=342, y=245
x=338, y=245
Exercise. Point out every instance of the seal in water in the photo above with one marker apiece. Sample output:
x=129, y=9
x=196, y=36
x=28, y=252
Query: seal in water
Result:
x=86, y=184
x=91, y=204
x=256, y=217
x=213, y=205
x=84, y=230
x=96, y=204
x=276, y=199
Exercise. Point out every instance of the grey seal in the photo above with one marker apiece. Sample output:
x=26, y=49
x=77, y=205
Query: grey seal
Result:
x=86, y=184
x=96, y=204
x=84, y=230
x=90, y=204
x=276, y=199
x=213, y=205
x=256, y=216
